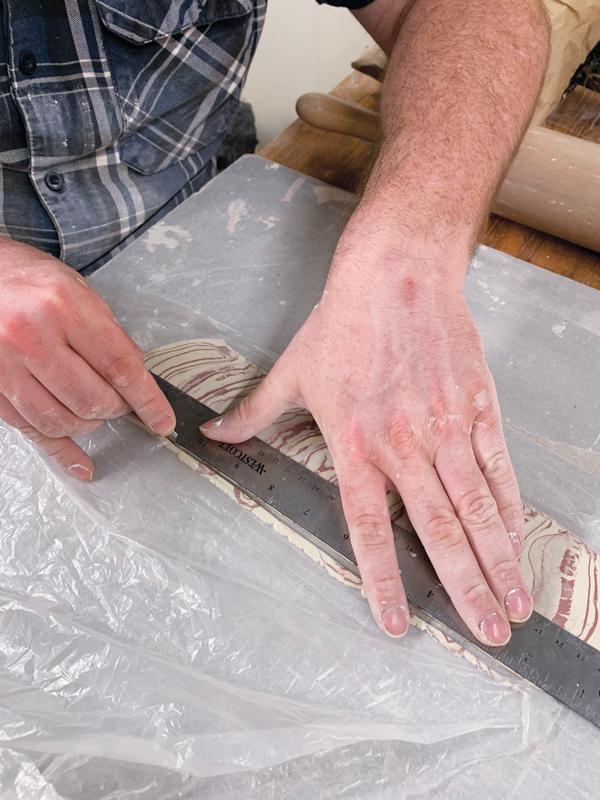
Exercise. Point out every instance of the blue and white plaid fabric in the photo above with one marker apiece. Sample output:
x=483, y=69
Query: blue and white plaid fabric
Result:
x=110, y=110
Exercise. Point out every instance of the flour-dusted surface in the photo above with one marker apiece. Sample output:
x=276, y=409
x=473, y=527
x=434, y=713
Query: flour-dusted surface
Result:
x=560, y=569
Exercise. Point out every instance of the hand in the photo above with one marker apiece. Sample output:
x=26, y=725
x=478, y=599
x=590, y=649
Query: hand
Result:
x=66, y=365
x=393, y=370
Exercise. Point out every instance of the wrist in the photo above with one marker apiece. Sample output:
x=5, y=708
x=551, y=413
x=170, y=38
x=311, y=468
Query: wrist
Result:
x=385, y=243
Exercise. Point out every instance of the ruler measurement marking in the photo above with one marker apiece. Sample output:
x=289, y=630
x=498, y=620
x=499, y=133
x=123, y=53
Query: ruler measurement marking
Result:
x=540, y=651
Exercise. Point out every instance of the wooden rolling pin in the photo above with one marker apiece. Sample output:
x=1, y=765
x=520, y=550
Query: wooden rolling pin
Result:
x=340, y=116
x=553, y=185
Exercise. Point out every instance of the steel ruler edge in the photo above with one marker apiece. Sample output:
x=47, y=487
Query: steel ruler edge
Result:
x=540, y=651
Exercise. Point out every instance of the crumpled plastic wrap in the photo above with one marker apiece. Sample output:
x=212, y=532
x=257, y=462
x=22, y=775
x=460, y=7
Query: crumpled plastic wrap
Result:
x=159, y=642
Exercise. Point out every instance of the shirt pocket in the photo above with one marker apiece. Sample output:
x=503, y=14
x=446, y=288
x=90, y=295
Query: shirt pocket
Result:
x=142, y=22
x=178, y=67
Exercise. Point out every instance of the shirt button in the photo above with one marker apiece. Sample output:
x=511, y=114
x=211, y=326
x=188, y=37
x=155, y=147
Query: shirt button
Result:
x=27, y=63
x=55, y=181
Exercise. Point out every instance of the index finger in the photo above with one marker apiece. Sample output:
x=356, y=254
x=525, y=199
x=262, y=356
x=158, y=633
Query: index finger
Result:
x=114, y=356
x=363, y=491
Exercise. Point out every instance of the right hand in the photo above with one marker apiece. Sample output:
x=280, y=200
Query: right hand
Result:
x=66, y=365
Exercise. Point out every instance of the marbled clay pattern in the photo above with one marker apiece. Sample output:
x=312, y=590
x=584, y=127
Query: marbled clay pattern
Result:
x=562, y=573
x=560, y=569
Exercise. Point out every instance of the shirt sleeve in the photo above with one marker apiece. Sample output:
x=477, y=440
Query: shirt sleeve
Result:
x=351, y=4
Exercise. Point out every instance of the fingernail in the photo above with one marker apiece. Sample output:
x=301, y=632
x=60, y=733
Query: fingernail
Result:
x=81, y=473
x=164, y=426
x=518, y=607
x=395, y=622
x=211, y=424
x=494, y=628
x=516, y=542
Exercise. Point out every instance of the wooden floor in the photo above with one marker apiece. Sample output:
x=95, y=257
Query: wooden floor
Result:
x=341, y=160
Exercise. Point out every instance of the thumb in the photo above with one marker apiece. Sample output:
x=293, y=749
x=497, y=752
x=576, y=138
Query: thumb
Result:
x=271, y=398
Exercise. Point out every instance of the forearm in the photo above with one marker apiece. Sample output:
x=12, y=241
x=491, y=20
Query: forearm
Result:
x=461, y=85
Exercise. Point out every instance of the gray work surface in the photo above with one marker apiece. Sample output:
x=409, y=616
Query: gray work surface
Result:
x=252, y=250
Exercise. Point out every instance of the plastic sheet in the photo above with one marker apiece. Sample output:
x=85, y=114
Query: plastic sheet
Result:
x=159, y=642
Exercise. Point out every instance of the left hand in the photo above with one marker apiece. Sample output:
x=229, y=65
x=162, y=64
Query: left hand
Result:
x=391, y=366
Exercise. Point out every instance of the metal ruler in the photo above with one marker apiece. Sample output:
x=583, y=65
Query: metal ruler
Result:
x=539, y=650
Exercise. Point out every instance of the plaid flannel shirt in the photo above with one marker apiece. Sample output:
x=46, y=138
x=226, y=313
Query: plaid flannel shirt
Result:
x=111, y=110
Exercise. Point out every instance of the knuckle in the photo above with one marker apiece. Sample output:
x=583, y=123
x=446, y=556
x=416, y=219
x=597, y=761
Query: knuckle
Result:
x=370, y=527
x=350, y=432
x=504, y=573
x=402, y=434
x=125, y=372
x=37, y=437
x=372, y=539
x=91, y=408
x=55, y=448
x=439, y=408
x=93, y=414
x=56, y=428
x=478, y=391
x=55, y=299
x=475, y=592
x=444, y=534
x=477, y=509
x=84, y=410
x=445, y=418
x=383, y=586
x=513, y=512
x=15, y=330
x=498, y=467
x=55, y=424
x=145, y=408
